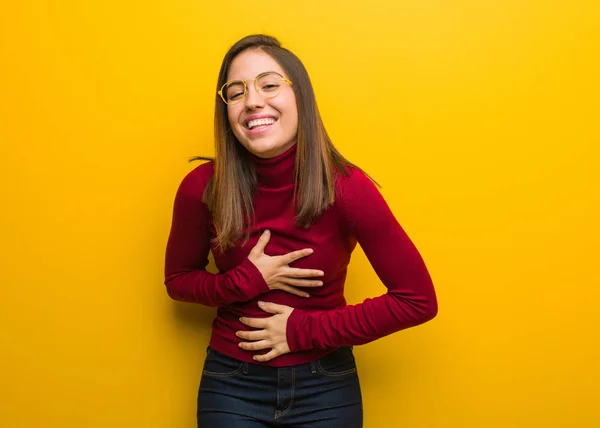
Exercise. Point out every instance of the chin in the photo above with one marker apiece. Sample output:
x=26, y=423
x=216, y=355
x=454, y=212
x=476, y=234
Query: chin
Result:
x=266, y=150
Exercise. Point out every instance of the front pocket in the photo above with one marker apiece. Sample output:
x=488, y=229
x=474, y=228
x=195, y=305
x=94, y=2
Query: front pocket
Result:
x=338, y=363
x=220, y=365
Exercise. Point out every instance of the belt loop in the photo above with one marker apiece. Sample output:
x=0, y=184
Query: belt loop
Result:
x=245, y=368
x=313, y=367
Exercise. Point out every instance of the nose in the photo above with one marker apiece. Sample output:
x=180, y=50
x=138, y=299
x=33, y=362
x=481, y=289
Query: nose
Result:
x=253, y=99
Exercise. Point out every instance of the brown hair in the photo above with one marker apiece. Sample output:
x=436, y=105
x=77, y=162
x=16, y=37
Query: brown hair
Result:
x=229, y=194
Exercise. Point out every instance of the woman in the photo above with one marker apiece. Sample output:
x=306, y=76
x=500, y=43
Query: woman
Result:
x=282, y=210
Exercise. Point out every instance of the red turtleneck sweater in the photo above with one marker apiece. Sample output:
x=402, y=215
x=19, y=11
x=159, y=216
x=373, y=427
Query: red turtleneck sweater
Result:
x=323, y=321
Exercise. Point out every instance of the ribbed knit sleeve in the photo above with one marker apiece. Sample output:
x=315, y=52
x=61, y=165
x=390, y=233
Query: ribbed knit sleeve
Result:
x=410, y=299
x=188, y=246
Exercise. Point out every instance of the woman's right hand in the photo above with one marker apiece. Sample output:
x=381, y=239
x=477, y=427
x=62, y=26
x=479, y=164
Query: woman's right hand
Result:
x=276, y=270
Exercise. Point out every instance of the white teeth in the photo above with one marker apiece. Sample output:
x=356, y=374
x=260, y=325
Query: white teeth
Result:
x=258, y=122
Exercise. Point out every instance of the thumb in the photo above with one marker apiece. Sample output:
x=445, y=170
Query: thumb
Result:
x=262, y=242
x=272, y=308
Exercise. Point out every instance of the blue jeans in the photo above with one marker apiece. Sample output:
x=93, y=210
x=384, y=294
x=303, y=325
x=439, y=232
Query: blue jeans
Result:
x=321, y=394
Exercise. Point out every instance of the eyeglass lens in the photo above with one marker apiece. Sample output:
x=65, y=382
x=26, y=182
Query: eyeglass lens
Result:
x=268, y=86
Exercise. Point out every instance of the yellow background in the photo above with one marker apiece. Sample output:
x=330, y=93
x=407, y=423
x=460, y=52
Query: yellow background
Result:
x=480, y=119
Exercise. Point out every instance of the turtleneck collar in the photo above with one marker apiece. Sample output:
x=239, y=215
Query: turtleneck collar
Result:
x=278, y=171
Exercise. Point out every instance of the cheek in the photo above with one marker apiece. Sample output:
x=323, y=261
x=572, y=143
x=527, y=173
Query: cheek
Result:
x=290, y=111
x=293, y=123
x=231, y=117
x=295, y=113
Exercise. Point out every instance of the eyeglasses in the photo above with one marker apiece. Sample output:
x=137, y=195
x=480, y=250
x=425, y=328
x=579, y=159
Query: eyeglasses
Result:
x=267, y=85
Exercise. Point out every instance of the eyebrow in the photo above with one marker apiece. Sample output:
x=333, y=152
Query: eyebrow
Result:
x=259, y=74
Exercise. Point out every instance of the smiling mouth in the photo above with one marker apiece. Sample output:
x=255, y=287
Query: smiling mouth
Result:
x=265, y=122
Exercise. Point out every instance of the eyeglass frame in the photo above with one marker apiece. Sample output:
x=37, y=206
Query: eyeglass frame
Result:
x=220, y=92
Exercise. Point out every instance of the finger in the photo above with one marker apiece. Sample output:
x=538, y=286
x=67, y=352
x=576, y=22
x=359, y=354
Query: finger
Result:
x=302, y=282
x=303, y=273
x=272, y=308
x=295, y=255
x=251, y=335
x=262, y=242
x=254, y=322
x=255, y=346
x=266, y=357
x=292, y=290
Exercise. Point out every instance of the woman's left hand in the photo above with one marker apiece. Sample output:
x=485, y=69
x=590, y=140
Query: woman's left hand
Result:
x=272, y=334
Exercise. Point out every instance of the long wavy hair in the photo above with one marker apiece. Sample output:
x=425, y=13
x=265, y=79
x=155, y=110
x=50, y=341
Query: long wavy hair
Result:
x=229, y=194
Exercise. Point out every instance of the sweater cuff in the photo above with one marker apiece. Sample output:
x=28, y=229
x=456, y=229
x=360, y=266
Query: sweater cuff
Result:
x=255, y=284
x=296, y=338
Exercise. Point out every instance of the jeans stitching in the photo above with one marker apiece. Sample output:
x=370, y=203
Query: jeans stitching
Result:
x=209, y=351
x=277, y=403
x=293, y=390
x=233, y=373
x=342, y=373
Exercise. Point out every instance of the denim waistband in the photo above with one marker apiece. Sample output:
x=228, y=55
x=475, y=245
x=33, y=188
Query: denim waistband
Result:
x=258, y=368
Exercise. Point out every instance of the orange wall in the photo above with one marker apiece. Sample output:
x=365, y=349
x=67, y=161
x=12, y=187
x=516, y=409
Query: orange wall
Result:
x=479, y=118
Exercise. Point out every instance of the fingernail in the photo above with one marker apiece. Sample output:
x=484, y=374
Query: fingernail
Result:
x=307, y=295
x=261, y=303
x=267, y=232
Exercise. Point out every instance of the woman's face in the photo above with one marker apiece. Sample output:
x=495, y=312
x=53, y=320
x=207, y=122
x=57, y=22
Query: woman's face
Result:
x=266, y=127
